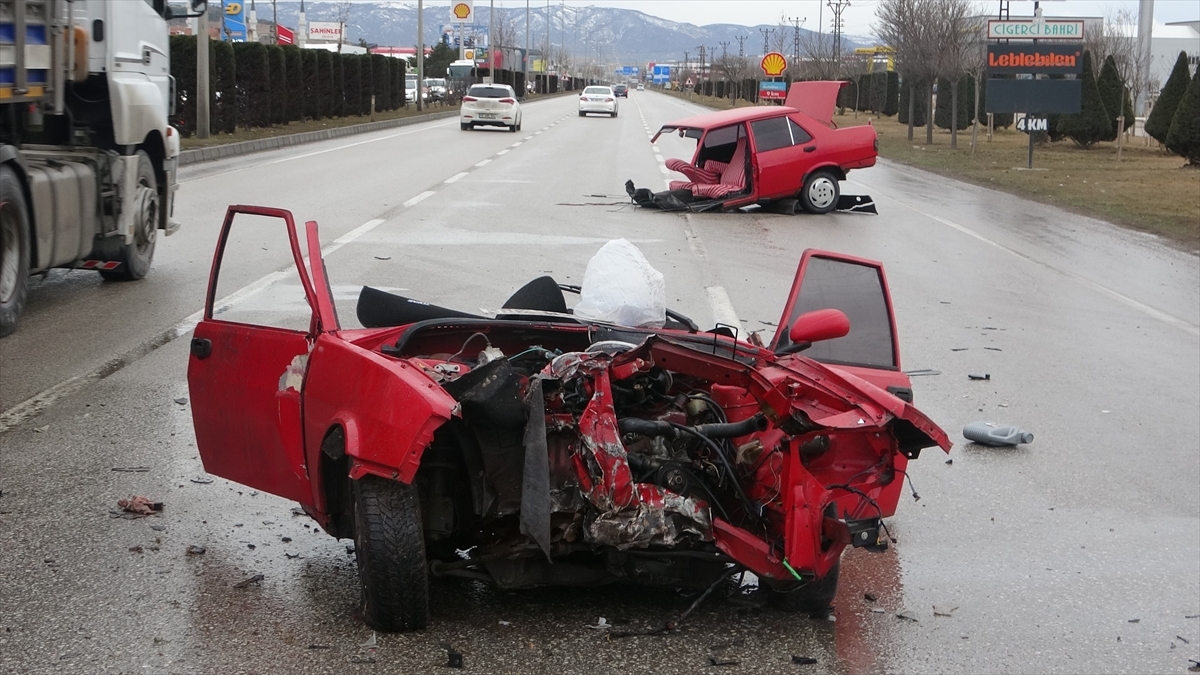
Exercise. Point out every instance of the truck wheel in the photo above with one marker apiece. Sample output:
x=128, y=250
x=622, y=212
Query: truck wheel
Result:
x=820, y=192
x=389, y=544
x=14, y=250
x=815, y=597
x=135, y=257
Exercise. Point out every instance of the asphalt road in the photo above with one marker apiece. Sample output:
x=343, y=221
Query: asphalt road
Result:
x=1077, y=553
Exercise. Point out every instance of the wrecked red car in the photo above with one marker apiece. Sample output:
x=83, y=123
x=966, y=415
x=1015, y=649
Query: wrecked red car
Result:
x=535, y=448
x=768, y=155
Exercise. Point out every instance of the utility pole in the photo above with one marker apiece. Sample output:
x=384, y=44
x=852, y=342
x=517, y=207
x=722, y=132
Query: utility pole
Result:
x=491, y=45
x=742, y=44
x=837, y=6
x=420, y=54
x=202, y=95
x=796, y=22
x=526, y=59
x=766, y=33
x=724, y=48
x=274, y=20
x=701, y=73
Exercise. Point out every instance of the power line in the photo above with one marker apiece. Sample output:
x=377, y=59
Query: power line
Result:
x=837, y=6
x=742, y=44
x=796, y=22
x=766, y=33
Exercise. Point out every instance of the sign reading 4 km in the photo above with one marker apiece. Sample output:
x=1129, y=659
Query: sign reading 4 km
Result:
x=1031, y=124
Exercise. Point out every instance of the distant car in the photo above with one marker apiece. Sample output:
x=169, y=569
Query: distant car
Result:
x=435, y=88
x=598, y=100
x=641, y=86
x=410, y=89
x=764, y=154
x=621, y=90
x=490, y=105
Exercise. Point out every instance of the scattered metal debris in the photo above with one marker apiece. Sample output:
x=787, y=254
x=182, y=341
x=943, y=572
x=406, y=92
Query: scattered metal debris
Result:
x=1135, y=621
x=803, y=660
x=362, y=659
x=159, y=528
x=870, y=597
x=196, y=550
x=950, y=461
x=131, y=469
x=40, y=430
x=291, y=556
x=181, y=400
x=286, y=540
x=504, y=623
x=371, y=643
x=1182, y=639
x=383, y=257
x=601, y=624
x=906, y=616
x=136, y=549
x=878, y=610
x=994, y=349
x=944, y=610
x=454, y=658
x=202, y=480
x=297, y=511
x=922, y=372
x=983, y=377
x=140, y=506
x=959, y=349
x=252, y=580
x=714, y=661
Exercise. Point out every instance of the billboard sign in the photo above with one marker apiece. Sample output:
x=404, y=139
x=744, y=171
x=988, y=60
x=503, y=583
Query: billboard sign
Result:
x=286, y=35
x=1012, y=58
x=772, y=91
x=233, y=21
x=1033, y=96
x=660, y=74
x=1035, y=29
x=325, y=31
x=462, y=12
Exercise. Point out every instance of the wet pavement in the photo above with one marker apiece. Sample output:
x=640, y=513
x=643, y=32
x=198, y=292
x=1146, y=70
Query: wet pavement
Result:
x=1077, y=553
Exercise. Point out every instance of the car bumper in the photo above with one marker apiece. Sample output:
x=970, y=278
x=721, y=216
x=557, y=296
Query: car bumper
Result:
x=598, y=107
x=475, y=118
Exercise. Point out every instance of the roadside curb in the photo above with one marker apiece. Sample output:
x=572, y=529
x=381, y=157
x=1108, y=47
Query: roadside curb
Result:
x=198, y=155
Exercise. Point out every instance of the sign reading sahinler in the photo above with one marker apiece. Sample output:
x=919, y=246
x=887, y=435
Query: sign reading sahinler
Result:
x=1035, y=29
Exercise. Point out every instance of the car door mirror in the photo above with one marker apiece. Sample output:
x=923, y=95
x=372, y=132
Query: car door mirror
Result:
x=818, y=325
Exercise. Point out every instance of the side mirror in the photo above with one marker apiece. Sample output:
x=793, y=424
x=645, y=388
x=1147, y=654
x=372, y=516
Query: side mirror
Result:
x=818, y=325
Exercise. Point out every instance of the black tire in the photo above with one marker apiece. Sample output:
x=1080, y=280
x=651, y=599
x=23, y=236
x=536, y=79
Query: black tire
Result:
x=389, y=545
x=518, y=126
x=582, y=114
x=14, y=250
x=513, y=129
x=135, y=257
x=464, y=126
x=813, y=598
x=820, y=192
x=614, y=115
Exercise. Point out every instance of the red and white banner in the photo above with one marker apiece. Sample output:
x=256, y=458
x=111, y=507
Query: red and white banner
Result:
x=285, y=36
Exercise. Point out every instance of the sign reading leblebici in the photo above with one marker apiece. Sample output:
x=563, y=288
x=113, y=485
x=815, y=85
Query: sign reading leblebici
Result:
x=1024, y=57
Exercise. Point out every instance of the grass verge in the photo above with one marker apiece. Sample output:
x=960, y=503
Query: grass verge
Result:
x=256, y=133
x=1147, y=190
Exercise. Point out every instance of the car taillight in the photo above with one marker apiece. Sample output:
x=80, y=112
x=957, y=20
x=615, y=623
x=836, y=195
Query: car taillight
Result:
x=609, y=100
x=469, y=99
x=508, y=100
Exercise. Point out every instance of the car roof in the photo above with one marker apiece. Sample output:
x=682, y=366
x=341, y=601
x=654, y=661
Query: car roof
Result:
x=723, y=118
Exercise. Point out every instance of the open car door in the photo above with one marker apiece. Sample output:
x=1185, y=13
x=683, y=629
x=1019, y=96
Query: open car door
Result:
x=245, y=379
x=858, y=288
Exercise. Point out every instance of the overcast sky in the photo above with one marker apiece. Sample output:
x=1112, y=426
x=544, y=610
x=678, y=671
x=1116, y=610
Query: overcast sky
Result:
x=858, y=18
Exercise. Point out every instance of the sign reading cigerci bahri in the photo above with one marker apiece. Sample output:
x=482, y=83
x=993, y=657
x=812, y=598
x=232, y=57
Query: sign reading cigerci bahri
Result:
x=1027, y=29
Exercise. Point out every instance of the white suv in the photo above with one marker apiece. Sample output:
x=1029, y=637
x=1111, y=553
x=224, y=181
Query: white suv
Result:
x=490, y=105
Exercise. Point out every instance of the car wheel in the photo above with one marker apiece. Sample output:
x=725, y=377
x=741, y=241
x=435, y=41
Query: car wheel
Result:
x=389, y=545
x=14, y=250
x=614, y=114
x=582, y=114
x=135, y=256
x=820, y=192
x=464, y=126
x=814, y=597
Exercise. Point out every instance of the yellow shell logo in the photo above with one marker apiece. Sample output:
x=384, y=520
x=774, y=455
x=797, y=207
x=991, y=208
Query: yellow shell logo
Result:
x=233, y=8
x=462, y=10
x=773, y=64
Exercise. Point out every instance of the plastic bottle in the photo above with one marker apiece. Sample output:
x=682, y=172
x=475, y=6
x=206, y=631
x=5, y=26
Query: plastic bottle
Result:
x=989, y=433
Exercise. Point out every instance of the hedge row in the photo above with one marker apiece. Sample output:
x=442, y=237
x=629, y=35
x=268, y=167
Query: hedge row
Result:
x=256, y=85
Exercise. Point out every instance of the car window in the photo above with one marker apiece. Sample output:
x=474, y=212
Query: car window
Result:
x=858, y=291
x=722, y=136
x=489, y=91
x=799, y=135
x=598, y=91
x=771, y=134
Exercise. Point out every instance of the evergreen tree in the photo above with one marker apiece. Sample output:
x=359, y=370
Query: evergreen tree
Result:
x=944, y=106
x=1184, y=137
x=892, y=95
x=1092, y=124
x=1111, y=89
x=277, y=60
x=1158, y=125
x=911, y=86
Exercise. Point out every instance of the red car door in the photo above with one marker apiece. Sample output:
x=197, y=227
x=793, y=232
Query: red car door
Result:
x=858, y=287
x=245, y=379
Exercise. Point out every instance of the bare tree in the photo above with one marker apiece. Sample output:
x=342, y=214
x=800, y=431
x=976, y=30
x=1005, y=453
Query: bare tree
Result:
x=818, y=52
x=343, y=16
x=780, y=38
x=1116, y=37
x=735, y=69
x=958, y=53
x=908, y=27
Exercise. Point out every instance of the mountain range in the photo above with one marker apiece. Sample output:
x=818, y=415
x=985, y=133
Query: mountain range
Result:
x=608, y=34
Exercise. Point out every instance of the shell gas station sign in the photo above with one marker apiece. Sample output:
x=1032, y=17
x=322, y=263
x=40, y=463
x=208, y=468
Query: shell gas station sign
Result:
x=773, y=64
x=462, y=12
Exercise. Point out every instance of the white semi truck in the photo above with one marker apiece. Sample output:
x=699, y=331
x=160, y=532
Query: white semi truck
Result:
x=87, y=157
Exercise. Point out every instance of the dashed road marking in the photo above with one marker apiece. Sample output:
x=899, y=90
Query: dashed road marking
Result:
x=502, y=152
x=484, y=162
x=455, y=178
x=419, y=198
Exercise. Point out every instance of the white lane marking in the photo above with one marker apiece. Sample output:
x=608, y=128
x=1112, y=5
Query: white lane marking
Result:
x=502, y=152
x=538, y=133
x=484, y=162
x=419, y=198
x=455, y=178
x=516, y=145
x=667, y=182
x=722, y=307
x=694, y=242
x=314, y=153
x=1187, y=327
x=656, y=149
x=664, y=170
x=529, y=138
x=660, y=158
x=354, y=234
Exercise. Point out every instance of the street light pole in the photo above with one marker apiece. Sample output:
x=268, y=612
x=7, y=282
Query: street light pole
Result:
x=420, y=54
x=202, y=123
x=491, y=44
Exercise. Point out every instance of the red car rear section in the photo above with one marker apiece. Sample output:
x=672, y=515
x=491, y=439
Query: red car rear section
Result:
x=563, y=453
x=794, y=151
